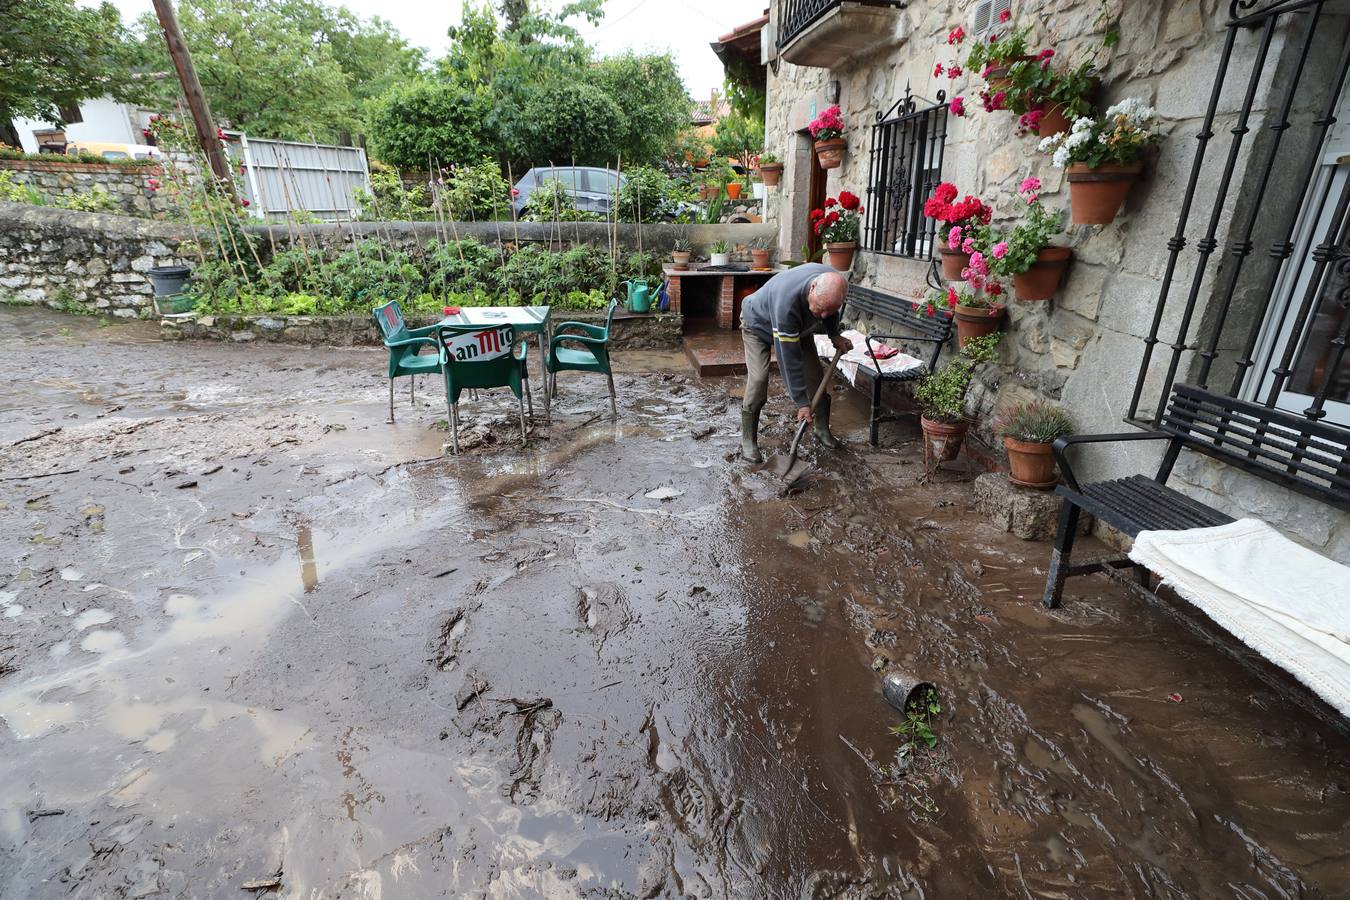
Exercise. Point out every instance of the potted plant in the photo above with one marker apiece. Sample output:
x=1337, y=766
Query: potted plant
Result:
x=941, y=396
x=838, y=226
x=1054, y=99
x=994, y=58
x=770, y=169
x=1025, y=253
x=1104, y=157
x=827, y=130
x=680, y=252
x=760, y=250
x=1028, y=431
x=975, y=313
x=957, y=219
x=720, y=253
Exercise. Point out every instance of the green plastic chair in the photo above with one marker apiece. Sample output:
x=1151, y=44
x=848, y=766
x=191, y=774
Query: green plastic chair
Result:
x=484, y=356
x=592, y=354
x=404, y=344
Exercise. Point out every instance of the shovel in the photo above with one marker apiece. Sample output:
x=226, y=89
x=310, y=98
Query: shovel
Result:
x=790, y=468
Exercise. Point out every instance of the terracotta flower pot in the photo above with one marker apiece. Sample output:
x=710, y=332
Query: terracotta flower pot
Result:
x=1032, y=464
x=1053, y=121
x=1096, y=195
x=953, y=261
x=997, y=77
x=759, y=259
x=681, y=259
x=841, y=254
x=1043, y=278
x=772, y=173
x=976, y=321
x=734, y=190
x=830, y=153
x=942, y=440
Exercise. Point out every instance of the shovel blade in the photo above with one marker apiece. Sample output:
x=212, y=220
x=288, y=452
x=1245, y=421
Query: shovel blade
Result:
x=791, y=469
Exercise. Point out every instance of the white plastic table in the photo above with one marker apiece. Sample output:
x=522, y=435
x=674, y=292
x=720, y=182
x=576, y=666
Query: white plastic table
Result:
x=527, y=319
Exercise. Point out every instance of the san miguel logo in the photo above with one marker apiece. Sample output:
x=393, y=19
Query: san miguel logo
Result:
x=483, y=345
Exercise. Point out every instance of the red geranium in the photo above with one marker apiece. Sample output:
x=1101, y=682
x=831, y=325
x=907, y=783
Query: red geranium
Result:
x=838, y=225
x=849, y=200
x=941, y=206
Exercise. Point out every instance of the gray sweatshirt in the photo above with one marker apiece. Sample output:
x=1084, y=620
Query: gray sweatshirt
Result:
x=777, y=313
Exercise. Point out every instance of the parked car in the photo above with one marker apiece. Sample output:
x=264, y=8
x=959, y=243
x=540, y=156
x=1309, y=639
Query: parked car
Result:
x=111, y=151
x=591, y=188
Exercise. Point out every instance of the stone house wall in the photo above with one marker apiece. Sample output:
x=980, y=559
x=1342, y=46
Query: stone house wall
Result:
x=1084, y=348
x=91, y=261
x=128, y=185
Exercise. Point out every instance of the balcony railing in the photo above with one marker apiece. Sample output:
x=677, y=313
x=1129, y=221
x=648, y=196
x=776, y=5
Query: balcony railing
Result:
x=795, y=16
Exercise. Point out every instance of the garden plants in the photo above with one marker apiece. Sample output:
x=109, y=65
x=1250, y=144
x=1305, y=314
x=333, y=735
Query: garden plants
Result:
x=838, y=226
x=680, y=252
x=976, y=313
x=942, y=397
x=1104, y=157
x=1029, y=431
x=958, y=221
x=827, y=130
x=760, y=250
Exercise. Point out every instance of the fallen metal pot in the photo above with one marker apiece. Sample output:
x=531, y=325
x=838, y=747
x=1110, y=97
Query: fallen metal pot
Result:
x=900, y=690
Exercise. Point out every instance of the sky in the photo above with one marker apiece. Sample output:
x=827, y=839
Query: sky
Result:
x=685, y=27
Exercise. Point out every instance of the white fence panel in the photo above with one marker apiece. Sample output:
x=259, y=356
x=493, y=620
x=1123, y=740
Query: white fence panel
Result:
x=291, y=175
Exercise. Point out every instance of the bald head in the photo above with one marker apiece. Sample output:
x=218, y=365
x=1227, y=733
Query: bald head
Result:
x=827, y=294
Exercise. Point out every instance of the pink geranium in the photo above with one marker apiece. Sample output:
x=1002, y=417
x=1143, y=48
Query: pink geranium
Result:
x=954, y=237
x=1000, y=250
x=957, y=106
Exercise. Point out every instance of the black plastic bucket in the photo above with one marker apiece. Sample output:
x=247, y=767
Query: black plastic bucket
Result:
x=169, y=281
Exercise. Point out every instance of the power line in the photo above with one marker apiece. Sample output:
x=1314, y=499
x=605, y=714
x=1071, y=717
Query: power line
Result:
x=612, y=22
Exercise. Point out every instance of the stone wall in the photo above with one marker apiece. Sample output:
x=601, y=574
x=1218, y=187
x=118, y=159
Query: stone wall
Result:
x=128, y=185
x=658, y=331
x=1084, y=348
x=90, y=261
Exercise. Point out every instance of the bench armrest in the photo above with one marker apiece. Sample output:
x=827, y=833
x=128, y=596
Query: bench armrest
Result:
x=907, y=337
x=1062, y=445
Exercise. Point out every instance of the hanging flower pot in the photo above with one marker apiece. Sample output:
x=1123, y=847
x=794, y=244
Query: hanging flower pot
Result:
x=841, y=254
x=1052, y=121
x=1096, y=195
x=953, y=261
x=1043, y=278
x=999, y=77
x=1032, y=464
x=772, y=173
x=942, y=440
x=977, y=321
x=830, y=154
x=734, y=190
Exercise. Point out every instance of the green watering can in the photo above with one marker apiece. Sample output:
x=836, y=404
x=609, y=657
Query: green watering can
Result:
x=639, y=295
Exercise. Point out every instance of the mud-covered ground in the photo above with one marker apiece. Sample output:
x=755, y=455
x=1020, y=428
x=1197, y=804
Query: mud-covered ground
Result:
x=253, y=636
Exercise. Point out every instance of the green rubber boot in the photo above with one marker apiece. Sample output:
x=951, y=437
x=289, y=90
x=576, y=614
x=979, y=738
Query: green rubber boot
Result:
x=822, y=426
x=750, y=436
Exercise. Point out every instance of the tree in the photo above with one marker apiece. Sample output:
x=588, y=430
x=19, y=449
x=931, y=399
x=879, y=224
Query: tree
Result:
x=739, y=136
x=53, y=54
x=286, y=68
x=431, y=119
x=649, y=92
x=565, y=121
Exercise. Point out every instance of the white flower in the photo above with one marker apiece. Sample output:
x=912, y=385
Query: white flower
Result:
x=1134, y=109
x=1082, y=123
x=1048, y=142
x=1061, y=157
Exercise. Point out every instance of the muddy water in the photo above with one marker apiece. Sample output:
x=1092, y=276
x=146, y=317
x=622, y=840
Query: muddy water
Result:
x=261, y=635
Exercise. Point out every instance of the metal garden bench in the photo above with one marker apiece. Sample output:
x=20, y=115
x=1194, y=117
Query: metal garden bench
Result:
x=1308, y=457
x=934, y=331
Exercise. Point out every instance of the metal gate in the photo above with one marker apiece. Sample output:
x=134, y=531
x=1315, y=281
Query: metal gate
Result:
x=282, y=176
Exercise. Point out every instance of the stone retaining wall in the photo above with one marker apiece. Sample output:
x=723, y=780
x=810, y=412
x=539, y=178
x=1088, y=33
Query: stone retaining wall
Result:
x=630, y=332
x=76, y=260
x=129, y=185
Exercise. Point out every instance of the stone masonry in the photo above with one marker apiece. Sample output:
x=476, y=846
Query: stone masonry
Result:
x=128, y=185
x=1083, y=348
x=93, y=261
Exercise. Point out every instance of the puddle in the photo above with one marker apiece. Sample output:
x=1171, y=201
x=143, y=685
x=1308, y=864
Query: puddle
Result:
x=92, y=617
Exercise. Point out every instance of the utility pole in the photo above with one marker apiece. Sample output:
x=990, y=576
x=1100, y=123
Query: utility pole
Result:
x=192, y=92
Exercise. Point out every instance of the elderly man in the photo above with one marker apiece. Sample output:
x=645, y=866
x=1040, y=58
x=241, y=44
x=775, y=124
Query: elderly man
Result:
x=786, y=313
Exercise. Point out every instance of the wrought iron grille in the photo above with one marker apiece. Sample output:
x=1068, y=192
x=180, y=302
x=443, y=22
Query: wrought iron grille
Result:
x=795, y=16
x=904, y=167
x=1276, y=326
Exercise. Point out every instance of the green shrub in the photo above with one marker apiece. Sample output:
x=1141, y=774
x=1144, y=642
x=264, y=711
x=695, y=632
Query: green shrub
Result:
x=942, y=395
x=476, y=192
x=551, y=202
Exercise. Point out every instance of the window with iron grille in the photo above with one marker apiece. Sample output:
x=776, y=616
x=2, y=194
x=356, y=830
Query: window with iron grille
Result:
x=904, y=167
x=1261, y=311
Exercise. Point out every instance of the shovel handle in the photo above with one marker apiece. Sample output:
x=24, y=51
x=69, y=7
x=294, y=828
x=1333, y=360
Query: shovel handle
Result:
x=815, y=401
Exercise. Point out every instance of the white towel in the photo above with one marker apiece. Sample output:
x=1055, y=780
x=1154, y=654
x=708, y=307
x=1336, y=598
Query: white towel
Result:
x=1284, y=601
x=858, y=356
